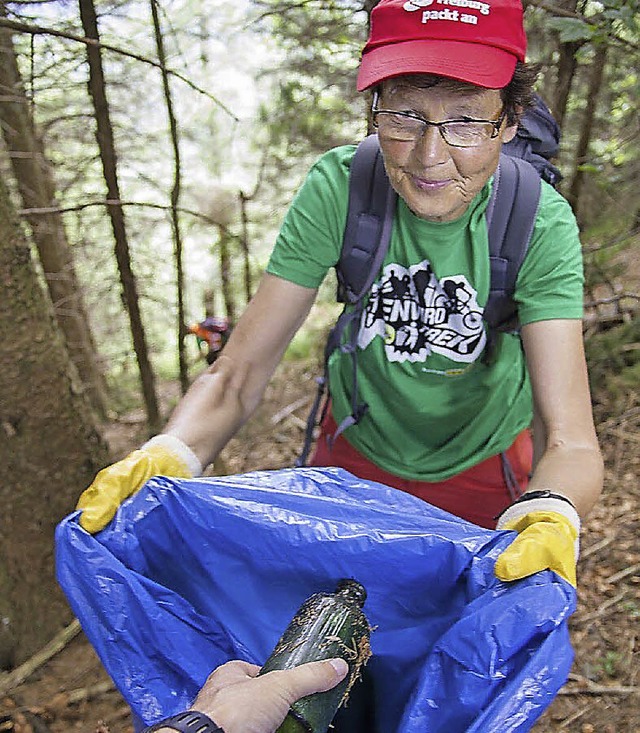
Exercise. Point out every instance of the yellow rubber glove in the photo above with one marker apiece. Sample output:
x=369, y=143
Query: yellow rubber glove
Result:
x=163, y=455
x=546, y=540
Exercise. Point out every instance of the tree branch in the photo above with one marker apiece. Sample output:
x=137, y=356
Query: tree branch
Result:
x=612, y=299
x=42, y=30
x=631, y=570
x=593, y=20
x=111, y=202
x=24, y=671
x=588, y=687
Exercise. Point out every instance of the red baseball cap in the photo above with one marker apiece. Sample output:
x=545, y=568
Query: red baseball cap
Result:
x=477, y=41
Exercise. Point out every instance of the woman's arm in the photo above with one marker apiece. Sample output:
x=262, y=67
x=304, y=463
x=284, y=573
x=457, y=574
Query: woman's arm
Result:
x=223, y=397
x=568, y=468
x=567, y=458
x=215, y=406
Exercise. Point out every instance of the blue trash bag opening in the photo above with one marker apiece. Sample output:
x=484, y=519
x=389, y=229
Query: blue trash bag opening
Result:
x=193, y=573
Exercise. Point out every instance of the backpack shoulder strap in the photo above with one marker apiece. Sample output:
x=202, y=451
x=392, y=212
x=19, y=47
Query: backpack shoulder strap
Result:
x=511, y=215
x=367, y=232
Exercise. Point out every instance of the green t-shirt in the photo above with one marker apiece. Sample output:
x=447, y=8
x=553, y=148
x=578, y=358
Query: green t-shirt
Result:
x=435, y=408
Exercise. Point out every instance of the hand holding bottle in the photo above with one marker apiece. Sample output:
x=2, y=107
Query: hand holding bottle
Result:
x=241, y=702
x=327, y=625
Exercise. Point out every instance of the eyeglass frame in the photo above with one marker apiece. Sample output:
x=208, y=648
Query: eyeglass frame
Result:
x=415, y=116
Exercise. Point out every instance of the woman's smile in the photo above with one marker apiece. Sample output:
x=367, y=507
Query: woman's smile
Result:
x=430, y=184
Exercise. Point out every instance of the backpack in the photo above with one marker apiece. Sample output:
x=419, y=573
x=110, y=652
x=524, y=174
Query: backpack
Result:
x=510, y=216
x=537, y=140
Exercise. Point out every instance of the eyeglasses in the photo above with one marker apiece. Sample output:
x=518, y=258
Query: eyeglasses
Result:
x=410, y=127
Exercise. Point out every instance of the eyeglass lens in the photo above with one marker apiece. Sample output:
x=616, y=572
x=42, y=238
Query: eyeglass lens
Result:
x=402, y=127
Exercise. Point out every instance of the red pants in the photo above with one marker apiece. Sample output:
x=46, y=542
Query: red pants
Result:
x=478, y=494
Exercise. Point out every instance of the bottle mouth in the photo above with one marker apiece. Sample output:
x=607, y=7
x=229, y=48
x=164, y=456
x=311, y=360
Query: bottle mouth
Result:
x=353, y=590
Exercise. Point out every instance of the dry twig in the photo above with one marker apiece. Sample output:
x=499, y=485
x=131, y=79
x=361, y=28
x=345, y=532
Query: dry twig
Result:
x=120, y=714
x=600, y=611
x=81, y=694
x=572, y=718
x=624, y=573
x=592, y=549
x=593, y=689
x=25, y=670
x=289, y=409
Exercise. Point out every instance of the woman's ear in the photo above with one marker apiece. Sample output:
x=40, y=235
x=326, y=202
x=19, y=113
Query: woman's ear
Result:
x=509, y=132
x=510, y=129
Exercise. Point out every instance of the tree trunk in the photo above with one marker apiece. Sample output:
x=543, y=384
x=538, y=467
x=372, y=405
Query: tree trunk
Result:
x=566, y=68
x=225, y=273
x=209, y=302
x=566, y=71
x=175, y=200
x=104, y=135
x=37, y=190
x=244, y=243
x=50, y=448
x=582, y=150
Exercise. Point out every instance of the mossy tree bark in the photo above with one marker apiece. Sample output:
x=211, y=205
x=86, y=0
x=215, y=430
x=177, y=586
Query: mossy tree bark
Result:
x=36, y=186
x=50, y=448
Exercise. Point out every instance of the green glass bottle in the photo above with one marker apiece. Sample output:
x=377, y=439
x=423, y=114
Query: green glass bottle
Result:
x=327, y=625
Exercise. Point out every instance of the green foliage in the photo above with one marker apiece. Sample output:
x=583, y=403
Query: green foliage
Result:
x=632, y=608
x=315, y=105
x=124, y=391
x=610, y=167
x=571, y=29
x=622, y=14
x=614, y=362
x=609, y=663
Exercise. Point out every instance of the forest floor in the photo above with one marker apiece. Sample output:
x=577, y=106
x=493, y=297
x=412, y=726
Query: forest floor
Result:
x=72, y=692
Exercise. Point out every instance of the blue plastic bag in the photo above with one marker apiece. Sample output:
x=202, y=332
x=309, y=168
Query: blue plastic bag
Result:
x=193, y=573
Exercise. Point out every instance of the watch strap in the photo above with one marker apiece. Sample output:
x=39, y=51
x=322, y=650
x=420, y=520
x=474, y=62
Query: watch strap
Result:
x=538, y=494
x=543, y=500
x=189, y=721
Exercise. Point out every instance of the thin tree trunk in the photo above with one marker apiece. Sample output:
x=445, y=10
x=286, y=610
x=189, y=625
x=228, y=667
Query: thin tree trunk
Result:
x=175, y=199
x=566, y=68
x=582, y=150
x=566, y=72
x=209, y=302
x=244, y=243
x=368, y=6
x=50, y=448
x=36, y=186
x=225, y=273
x=104, y=135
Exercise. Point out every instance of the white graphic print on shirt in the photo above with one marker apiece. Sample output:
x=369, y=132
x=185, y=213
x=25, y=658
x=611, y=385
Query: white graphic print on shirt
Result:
x=417, y=314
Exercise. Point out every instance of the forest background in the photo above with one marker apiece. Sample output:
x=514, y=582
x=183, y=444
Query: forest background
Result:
x=148, y=154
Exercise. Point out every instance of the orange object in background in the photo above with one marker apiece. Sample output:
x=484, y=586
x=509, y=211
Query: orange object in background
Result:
x=214, y=332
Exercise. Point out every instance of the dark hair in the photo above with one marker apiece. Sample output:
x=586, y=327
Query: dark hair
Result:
x=517, y=96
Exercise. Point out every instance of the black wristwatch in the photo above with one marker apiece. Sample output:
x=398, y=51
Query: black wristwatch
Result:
x=538, y=494
x=542, y=494
x=187, y=722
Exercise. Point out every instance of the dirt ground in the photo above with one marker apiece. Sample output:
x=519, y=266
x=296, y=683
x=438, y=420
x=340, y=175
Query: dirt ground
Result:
x=72, y=692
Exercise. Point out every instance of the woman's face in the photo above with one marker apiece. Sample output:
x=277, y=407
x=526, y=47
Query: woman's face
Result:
x=436, y=180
